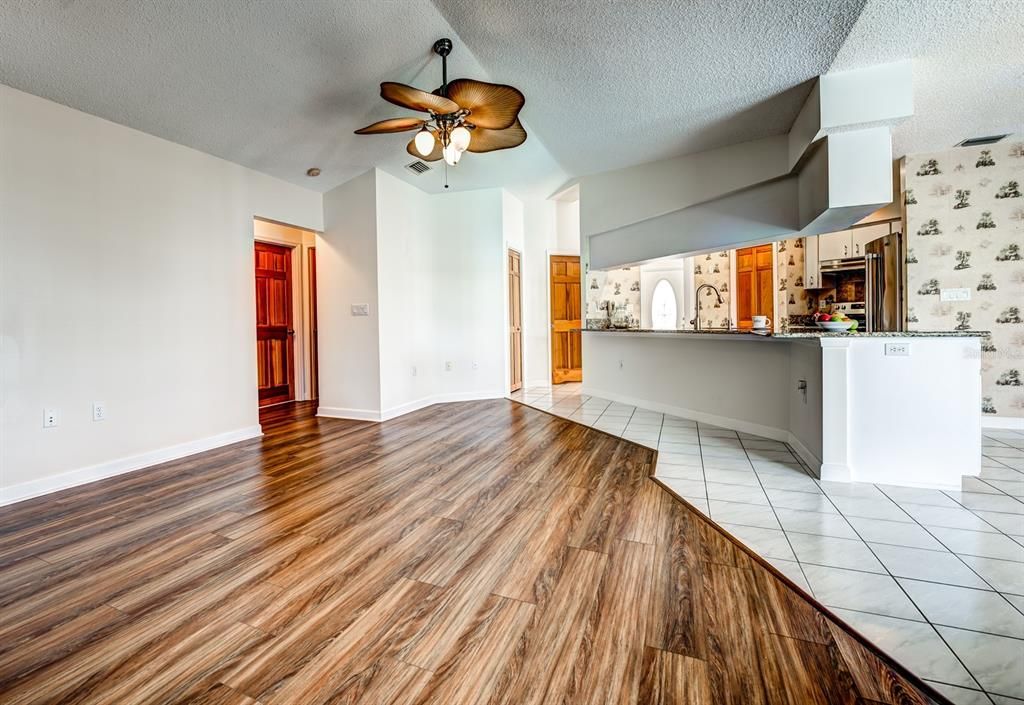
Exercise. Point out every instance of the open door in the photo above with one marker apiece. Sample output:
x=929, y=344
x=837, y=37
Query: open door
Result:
x=566, y=303
x=275, y=333
x=515, y=320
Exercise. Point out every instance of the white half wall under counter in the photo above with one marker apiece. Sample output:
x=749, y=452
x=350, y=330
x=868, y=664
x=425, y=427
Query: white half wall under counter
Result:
x=895, y=408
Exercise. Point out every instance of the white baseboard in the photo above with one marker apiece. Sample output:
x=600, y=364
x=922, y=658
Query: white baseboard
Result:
x=1007, y=422
x=812, y=461
x=407, y=408
x=81, y=476
x=334, y=412
x=775, y=434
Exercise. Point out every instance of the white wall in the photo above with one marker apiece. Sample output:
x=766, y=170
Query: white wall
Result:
x=126, y=278
x=349, y=356
x=432, y=268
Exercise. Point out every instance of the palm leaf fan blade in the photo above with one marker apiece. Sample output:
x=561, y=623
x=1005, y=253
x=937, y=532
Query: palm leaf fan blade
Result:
x=484, y=140
x=492, y=106
x=403, y=124
x=415, y=99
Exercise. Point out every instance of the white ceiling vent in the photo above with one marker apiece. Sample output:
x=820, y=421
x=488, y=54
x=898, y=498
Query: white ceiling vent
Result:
x=417, y=167
x=978, y=141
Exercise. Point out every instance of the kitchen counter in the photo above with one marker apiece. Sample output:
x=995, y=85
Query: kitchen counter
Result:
x=846, y=402
x=796, y=333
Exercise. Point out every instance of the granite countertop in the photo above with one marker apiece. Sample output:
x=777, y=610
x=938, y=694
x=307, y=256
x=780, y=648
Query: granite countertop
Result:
x=799, y=333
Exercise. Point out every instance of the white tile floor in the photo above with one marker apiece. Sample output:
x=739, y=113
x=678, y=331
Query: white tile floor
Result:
x=935, y=578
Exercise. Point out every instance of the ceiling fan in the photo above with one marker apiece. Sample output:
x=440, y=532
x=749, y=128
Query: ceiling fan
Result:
x=464, y=115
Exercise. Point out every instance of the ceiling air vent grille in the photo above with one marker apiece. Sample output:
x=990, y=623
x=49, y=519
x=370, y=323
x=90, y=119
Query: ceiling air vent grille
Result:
x=417, y=167
x=978, y=141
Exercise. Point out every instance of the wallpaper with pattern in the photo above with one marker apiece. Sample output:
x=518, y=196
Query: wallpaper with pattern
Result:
x=712, y=268
x=965, y=229
x=793, y=302
x=619, y=286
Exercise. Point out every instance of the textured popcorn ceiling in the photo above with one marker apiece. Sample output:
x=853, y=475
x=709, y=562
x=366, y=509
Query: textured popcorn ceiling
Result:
x=279, y=86
x=968, y=65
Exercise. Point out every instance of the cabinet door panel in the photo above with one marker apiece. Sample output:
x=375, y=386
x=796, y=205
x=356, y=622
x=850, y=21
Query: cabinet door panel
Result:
x=835, y=245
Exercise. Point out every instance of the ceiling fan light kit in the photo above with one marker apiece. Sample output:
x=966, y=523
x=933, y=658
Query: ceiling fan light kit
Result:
x=464, y=115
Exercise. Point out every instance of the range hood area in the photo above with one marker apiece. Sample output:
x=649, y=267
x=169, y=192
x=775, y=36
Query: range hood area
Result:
x=832, y=169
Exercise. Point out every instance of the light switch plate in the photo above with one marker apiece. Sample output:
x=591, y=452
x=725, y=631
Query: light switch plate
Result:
x=955, y=294
x=360, y=309
x=898, y=349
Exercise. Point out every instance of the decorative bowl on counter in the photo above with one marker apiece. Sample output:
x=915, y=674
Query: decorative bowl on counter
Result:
x=835, y=325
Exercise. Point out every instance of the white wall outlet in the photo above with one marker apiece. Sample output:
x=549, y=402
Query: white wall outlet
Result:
x=448, y=365
x=360, y=309
x=899, y=349
x=955, y=294
x=51, y=418
x=414, y=370
x=476, y=365
x=99, y=411
x=620, y=364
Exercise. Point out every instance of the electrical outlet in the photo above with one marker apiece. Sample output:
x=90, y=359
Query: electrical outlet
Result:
x=51, y=418
x=448, y=366
x=99, y=411
x=360, y=309
x=620, y=364
x=476, y=365
x=898, y=349
x=414, y=370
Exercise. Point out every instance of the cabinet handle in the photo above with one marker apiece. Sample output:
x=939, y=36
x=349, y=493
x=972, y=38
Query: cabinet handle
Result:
x=846, y=250
x=857, y=248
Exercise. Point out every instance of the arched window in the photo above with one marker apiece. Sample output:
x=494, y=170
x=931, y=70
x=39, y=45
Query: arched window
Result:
x=663, y=306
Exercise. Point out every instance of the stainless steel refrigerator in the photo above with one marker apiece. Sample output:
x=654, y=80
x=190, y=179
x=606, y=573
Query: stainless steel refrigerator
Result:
x=884, y=284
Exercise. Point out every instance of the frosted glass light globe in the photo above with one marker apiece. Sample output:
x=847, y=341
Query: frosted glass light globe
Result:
x=460, y=138
x=451, y=155
x=424, y=142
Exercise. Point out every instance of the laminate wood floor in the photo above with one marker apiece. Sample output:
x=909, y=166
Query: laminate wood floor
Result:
x=481, y=552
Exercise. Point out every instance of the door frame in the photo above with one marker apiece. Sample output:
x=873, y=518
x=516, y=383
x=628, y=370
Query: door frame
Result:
x=775, y=283
x=303, y=303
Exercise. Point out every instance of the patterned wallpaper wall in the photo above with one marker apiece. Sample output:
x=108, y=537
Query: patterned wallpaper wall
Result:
x=620, y=286
x=965, y=226
x=712, y=268
x=793, y=301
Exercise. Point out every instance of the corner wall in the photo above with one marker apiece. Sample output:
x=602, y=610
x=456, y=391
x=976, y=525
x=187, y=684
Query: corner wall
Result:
x=126, y=278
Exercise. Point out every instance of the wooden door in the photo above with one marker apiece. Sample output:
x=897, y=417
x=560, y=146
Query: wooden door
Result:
x=566, y=302
x=275, y=355
x=754, y=284
x=515, y=320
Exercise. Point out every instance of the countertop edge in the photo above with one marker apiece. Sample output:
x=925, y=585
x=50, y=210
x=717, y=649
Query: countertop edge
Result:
x=797, y=335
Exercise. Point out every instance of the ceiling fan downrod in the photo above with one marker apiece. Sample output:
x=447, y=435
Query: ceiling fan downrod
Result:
x=443, y=47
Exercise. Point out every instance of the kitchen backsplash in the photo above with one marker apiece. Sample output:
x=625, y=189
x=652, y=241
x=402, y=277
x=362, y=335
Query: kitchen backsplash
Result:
x=965, y=227
x=713, y=269
x=618, y=286
x=794, y=304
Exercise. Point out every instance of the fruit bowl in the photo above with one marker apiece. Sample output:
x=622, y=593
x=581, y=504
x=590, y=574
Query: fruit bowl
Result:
x=835, y=325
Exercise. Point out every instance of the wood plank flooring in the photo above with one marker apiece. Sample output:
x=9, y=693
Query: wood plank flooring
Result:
x=481, y=552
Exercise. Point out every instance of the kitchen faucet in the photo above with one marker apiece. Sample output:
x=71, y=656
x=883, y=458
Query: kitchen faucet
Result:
x=696, y=323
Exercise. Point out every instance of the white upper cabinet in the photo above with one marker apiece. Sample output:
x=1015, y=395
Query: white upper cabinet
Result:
x=862, y=236
x=812, y=272
x=835, y=245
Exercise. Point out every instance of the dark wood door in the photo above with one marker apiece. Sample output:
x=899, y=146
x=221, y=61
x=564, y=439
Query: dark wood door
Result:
x=754, y=284
x=515, y=320
x=275, y=335
x=566, y=303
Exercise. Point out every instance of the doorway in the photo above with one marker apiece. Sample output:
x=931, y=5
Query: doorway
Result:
x=515, y=320
x=566, y=319
x=285, y=313
x=755, y=291
x=275, y=349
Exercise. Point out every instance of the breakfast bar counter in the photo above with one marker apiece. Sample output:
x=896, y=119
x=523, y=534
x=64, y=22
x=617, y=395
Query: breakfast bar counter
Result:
x=846, y=402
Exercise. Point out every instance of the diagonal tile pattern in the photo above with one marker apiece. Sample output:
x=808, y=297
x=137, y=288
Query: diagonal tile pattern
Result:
x=935, y=578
